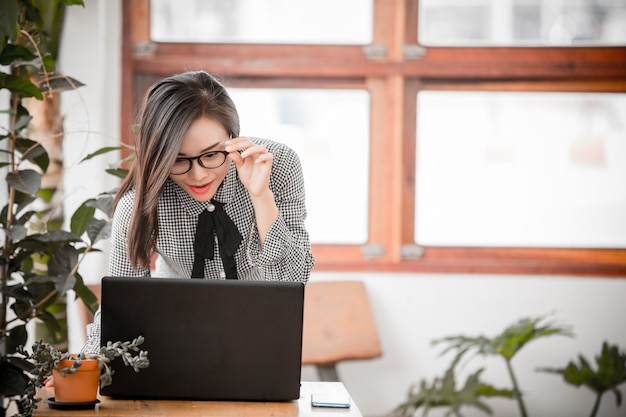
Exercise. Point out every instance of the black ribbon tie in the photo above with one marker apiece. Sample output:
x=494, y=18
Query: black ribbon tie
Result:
x=210, y=224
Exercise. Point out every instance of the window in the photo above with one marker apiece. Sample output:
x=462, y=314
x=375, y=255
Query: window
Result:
x=447, y=136
x=522, y=22
x=329, y=131
x=547, y=169
x=253, y=21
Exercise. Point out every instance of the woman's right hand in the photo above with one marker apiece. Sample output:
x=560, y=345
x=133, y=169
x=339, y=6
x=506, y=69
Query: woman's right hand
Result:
x=253, y=162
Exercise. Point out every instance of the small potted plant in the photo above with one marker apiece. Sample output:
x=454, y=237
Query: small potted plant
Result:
x=77, y=376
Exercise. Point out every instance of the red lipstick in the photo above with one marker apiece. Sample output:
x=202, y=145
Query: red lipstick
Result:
x=200, y=189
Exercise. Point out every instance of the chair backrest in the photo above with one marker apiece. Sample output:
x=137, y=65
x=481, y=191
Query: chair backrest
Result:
x=338, y=324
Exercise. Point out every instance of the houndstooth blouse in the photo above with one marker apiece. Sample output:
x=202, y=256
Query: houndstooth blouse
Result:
x=286, y=253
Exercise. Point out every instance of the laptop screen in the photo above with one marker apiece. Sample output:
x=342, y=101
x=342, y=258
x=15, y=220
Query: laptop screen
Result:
x=206, y=339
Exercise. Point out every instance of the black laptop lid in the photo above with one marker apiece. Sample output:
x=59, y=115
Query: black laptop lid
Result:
x=206, y=339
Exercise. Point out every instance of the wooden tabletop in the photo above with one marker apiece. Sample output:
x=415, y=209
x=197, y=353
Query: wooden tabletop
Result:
x=146, y=408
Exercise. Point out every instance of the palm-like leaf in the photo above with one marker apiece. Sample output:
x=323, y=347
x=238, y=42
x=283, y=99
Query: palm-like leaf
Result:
x=610, y=374
x=507, y=343
x=443, y=393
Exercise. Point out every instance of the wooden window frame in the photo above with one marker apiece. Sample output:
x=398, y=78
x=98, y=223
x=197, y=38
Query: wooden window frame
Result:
x=393, y=78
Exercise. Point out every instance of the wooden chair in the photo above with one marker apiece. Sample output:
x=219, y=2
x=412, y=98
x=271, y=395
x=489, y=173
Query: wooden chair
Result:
x=338, y=326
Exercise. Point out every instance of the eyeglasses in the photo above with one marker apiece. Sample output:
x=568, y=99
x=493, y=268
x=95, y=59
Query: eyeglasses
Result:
x=208, y=160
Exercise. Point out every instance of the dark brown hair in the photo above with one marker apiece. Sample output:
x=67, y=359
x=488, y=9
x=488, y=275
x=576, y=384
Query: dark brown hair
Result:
x=167, y=111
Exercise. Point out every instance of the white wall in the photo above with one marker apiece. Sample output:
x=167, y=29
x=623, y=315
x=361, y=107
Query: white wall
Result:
x=410, y=309
x=91, y=53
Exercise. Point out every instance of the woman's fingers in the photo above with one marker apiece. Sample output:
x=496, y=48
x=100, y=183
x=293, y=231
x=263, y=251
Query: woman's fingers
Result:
x=253, y=162
x=237, y=144
x=245, y=147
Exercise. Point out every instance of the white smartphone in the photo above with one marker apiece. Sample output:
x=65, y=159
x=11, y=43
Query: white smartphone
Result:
x=333, y=399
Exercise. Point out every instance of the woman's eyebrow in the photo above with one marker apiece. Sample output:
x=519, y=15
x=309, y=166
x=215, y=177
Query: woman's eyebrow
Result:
x=205, y=149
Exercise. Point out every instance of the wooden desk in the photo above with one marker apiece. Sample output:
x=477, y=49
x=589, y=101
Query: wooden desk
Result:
x=147, y=408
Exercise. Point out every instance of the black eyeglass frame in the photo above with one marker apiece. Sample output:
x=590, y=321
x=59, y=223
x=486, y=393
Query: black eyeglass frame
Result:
x=199, y=160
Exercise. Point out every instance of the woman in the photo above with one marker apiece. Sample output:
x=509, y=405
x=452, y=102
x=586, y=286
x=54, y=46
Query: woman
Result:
x=208, y=203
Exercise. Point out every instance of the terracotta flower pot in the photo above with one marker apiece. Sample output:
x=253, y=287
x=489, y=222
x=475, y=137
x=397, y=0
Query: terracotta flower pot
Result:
x=79, y=387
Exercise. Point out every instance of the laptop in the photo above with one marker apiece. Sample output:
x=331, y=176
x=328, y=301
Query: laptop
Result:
x=206, y=339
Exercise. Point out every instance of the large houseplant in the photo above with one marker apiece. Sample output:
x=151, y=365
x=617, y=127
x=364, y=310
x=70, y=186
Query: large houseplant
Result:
x=39, y=259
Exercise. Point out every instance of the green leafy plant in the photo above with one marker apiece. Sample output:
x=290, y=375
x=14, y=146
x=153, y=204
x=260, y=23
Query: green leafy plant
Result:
x=39, y=260
x=443, y=393
x=505, y=345
x=610, y=374
x=45, y=358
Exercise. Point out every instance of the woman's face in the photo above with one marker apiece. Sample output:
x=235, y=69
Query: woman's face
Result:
x=204, y=135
